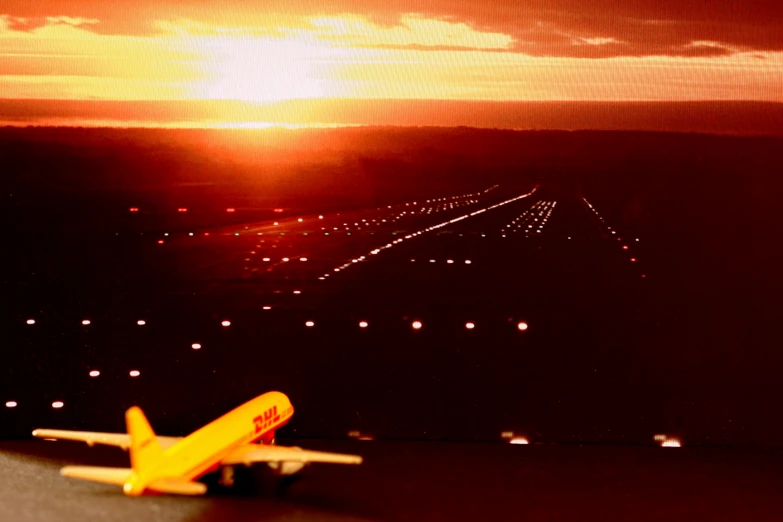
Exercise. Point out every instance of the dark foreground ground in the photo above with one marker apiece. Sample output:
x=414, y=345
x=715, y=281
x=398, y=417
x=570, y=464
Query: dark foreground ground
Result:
x=424, y=481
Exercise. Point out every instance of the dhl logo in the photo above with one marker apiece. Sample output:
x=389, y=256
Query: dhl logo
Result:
x=268, y=417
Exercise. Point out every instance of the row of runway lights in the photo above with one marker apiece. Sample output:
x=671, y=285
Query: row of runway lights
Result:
x=542, y=209
x=423, y=231
x=613, y=232
x=231, y=210
x=415, y=325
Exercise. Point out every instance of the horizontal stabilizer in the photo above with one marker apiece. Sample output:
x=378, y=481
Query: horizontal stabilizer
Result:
x=175, y=486
x=114, y=476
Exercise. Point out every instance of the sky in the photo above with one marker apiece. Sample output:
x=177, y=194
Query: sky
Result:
x=492, y=50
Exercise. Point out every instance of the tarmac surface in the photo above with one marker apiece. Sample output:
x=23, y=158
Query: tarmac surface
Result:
x=423, y=481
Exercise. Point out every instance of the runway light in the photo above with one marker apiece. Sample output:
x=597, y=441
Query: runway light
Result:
x=11, y=404
x=231, y=210
x=95, y=373
x=285, y=259
x=467, y=261
x=518, y=440
x=300, y=220
x=134, y=373
x=450, y=261
x=267, y=308
x=196, y=346
x=671, y=443
x=363, y=324
x=302, y=259
x=57, y=405
x=182, y=210
x=226, y=324
x=309, y=324
x=133, y=209
x=275, y=223
x=416, y=325
x=160, y=241
x=31, y=321
x=320, y=217
x=267, y=259
x=432, y=260
x=297, y=292
x=522, y=326
x=625, y=247
x=470, y=325
x=633, y=260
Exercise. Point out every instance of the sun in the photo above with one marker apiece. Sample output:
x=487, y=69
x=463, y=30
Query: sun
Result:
x=263, y=69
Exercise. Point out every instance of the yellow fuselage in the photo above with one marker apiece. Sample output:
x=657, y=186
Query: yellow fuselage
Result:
x=203, y=450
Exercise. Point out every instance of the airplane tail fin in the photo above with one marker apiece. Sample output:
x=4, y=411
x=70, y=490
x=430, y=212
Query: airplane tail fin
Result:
x=145, y=451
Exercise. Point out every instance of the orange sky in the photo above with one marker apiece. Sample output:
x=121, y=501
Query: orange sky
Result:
x=432, y=49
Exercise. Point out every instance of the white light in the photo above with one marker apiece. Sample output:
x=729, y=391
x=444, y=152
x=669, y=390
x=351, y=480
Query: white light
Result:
x=320, y=217
x=363, y=324
x=226, y=323
x=309, y=324
x=196, y=346
x=267, y=308
x=134, y=373
x=467, y=261
x=522, y=326
x=275, y=223
x=94, y=373
x=450, y=261
x=31, y=321
x=285, y=259
x=671, y=443
x=86, y=322
x=518, y=440
x=141, y=322
x=416, y=325
x=11, y=404
x=302, y=259
x=297, y=292
x=432, y=260
x=57, y=405
x=267, y=259
x=470, y=325
x=300, y=220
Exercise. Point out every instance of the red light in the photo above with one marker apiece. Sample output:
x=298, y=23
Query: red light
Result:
x=633, y=260
x=625, y=247
x=278, y=210
x=231, y=210
x=160, y=241
x=644, y=276
x=182, y=209
x=206, y=233
x=133, y=209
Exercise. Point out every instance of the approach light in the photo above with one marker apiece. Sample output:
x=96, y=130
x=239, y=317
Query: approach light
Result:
x=226, y=323
x=416, y=325
x=522, y=326
x=57, y=405
x=196, y=346
x=94, y=373
x=134, y=373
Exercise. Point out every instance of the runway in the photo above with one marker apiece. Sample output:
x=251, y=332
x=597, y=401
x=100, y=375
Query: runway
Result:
x=422, y=481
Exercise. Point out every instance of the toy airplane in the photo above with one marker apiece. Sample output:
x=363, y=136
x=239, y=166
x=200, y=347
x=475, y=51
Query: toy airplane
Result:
x=171, y=465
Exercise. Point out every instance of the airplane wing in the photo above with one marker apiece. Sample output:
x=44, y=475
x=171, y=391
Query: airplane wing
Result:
x=254, y=453
x=121, y=440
